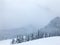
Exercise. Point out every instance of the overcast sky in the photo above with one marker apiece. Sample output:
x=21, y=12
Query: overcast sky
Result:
x=20, y=13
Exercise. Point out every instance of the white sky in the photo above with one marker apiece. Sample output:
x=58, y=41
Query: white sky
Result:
x=19, y=13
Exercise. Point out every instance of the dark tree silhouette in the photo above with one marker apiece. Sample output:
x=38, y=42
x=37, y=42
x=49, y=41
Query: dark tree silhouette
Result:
x=28, y=38
x=32, y=36
x=18, y=40
x=13, y=41
x=38, y=35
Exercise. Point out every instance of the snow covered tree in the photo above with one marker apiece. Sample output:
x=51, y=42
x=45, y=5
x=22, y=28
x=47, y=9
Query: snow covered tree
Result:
x=32, y=36
x=38, y=34
x=13, y=41
x=48, y=35
x=24, y=38
x=44, y=35
x=18, y=40
x=28, y=38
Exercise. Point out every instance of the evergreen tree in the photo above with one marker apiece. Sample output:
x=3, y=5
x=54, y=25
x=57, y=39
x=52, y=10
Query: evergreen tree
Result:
x=28, y=38
x=18, y=40
x=48, y=35
x=44, y=35
x=21, y=38
x=24, y=38
x=13, y=41
x=32, y=36
x=38, y=35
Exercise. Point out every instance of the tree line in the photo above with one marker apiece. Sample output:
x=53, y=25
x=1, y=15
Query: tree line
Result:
x=29, y=37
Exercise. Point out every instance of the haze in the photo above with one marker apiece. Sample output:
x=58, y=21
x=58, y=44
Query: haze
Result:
x=21, y=13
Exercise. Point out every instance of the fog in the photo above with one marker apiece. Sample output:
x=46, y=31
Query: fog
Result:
x=22, y=13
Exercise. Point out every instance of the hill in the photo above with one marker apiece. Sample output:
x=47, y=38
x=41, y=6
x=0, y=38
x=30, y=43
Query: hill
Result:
x=53, y=28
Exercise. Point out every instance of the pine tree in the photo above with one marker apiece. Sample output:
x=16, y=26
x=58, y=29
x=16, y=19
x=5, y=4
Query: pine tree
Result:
x=13, y=41
x=22, y=38
x=28, y=38
x=44, y=35
x=18, y=40
x=38, y=35
x=32, y=36
x=48, y=35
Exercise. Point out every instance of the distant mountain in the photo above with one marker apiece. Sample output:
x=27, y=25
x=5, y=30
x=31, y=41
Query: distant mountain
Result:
x=55, y=22
x=53, y=27
x=12, y=33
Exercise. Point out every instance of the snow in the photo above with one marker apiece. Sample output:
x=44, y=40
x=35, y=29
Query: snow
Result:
x=5, y=42
x=43, y=41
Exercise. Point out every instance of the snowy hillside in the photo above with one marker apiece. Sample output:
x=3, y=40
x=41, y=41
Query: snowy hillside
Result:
x=44, y=41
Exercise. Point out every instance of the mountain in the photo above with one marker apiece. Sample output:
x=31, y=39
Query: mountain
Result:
x=53, y=28
x=43, y=41
x=55, y=22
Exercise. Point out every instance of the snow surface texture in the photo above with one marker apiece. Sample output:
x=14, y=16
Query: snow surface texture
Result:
x=43, y=41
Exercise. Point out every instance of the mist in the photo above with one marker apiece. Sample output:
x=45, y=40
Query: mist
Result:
x=21, y=13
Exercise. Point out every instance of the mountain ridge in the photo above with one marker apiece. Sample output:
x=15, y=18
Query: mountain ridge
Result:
x=53, y=28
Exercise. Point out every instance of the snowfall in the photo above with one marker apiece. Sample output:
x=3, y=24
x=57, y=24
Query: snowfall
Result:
x=43, y=41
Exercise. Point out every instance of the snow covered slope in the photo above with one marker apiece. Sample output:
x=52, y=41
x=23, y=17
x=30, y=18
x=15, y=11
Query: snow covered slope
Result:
x=5, y=42
x=43, y=41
